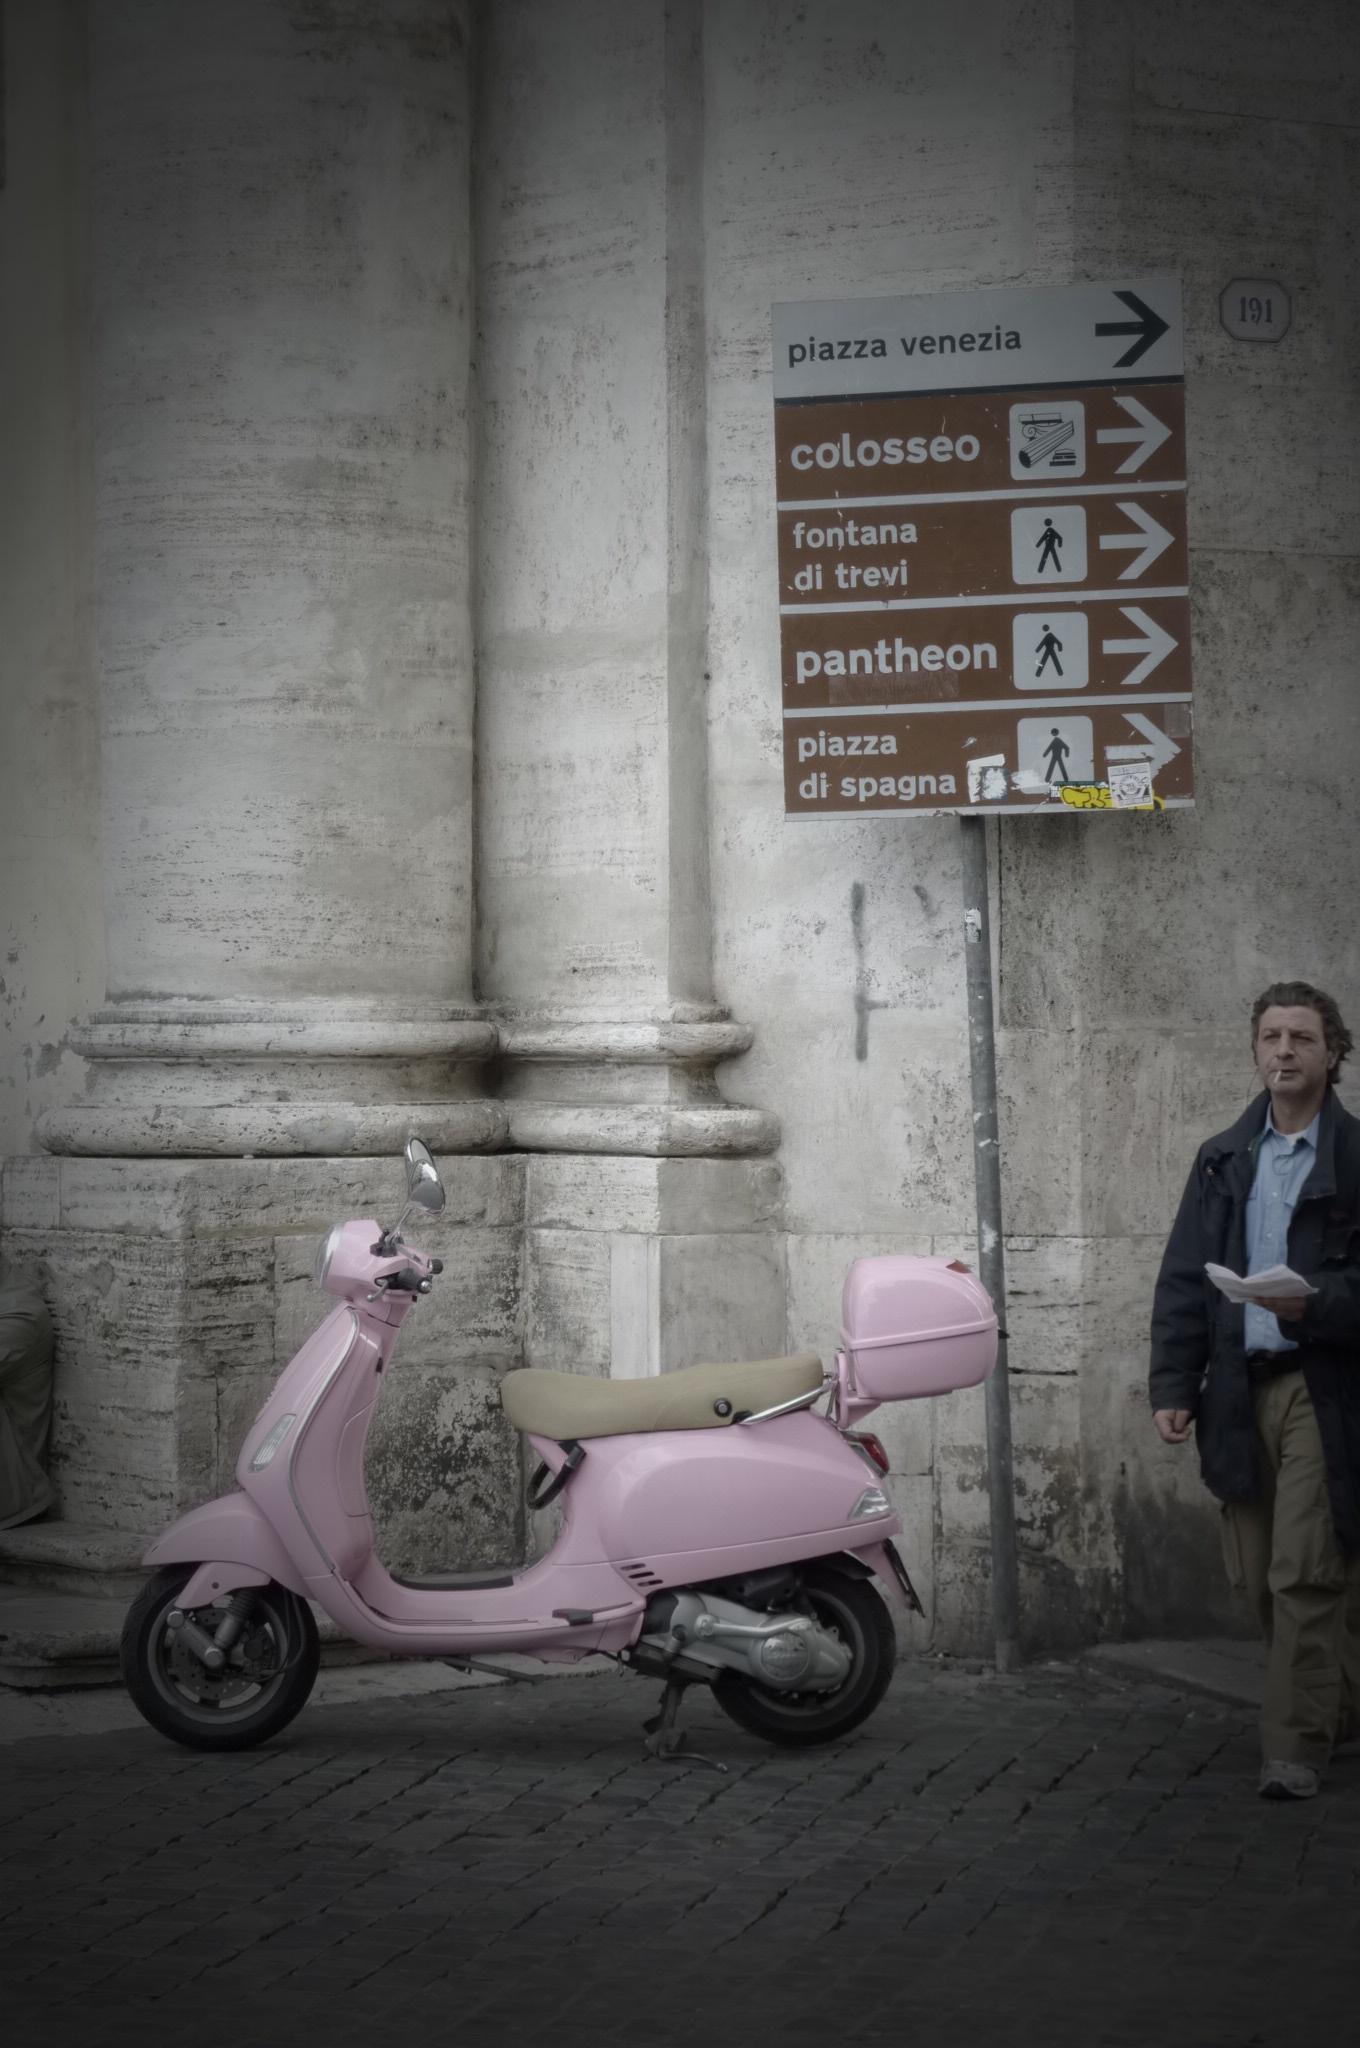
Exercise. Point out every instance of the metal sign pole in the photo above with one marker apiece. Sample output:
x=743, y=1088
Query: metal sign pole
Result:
x=991, y=1244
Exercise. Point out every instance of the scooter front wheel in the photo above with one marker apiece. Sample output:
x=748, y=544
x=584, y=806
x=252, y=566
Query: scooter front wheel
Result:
x=265, y=1681
x=797, y=1720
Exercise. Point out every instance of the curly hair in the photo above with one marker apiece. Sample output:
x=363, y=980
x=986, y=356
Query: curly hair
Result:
x=1301, y=995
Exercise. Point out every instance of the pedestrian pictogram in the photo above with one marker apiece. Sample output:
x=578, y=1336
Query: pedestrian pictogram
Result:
x=982, y=513
x=1051, y=651
x=1051, y=754
x=1048, y=650
x=1048, y=544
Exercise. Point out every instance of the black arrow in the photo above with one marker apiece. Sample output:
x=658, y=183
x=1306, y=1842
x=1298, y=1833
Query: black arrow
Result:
x=1149, y=327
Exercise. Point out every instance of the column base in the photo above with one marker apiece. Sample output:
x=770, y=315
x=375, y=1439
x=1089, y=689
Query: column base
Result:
x=271, y=1130
x=631, y=1087
x=192, y=1079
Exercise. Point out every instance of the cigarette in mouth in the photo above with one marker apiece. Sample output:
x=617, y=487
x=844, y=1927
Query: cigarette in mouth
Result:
x=1277, y=1077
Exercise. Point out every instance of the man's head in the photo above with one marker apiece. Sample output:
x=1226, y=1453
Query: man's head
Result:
x=1299, y=1040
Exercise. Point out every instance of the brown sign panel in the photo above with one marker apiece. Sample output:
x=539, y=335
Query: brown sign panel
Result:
x=981, y=441
x=1006, y=760
x=982, y=547
x=1052, y=646
x=993, y=576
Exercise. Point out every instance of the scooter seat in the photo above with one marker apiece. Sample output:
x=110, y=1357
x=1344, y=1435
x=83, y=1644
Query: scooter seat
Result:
x=572, y=1405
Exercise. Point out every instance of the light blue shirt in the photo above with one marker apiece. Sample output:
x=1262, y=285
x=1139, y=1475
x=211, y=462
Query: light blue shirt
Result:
x=1283, y=1164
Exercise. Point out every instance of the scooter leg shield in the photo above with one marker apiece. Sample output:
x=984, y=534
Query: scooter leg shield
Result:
x=234, y=1543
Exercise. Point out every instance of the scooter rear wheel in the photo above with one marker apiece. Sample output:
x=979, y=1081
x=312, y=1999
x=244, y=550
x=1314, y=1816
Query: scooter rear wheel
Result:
x=263, y=1685
x=797, y=1720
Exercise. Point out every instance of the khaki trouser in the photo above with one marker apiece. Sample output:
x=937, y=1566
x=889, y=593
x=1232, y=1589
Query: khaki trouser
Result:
x=1282, y=1549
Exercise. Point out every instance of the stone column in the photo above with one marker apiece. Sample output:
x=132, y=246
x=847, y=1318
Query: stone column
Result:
x=280, y=250
x=658, y=1243
x=280, y=286
x=593, y=590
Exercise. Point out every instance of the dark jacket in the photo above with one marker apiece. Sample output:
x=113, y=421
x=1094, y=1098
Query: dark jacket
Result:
x=1198, y=1354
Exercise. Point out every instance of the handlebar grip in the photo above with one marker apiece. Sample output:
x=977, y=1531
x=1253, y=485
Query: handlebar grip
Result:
x=407, y=1281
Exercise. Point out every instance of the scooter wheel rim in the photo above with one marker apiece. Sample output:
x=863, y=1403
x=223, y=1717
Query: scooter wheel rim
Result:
x=188, y=1689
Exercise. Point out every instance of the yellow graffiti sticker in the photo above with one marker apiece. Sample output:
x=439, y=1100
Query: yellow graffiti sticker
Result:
x=1095, y=796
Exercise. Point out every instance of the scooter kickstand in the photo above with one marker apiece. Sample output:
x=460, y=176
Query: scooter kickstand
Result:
x=667, y=1743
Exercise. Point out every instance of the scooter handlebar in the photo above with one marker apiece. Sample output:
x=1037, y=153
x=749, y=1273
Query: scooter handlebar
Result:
x=408, y=1280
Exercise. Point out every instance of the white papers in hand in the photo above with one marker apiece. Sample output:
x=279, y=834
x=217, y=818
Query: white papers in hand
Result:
x=1280, y=1282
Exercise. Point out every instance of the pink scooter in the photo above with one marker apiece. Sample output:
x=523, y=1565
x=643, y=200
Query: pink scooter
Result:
x=714, y=1530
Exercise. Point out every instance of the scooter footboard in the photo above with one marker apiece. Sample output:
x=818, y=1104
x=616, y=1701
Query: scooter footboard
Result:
x=234, y=1544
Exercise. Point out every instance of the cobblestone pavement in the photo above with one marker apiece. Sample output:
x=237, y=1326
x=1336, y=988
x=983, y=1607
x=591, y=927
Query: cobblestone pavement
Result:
x=1057, y=1858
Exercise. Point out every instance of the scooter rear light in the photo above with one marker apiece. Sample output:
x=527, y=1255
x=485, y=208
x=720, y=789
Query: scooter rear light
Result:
x=873, y=1501
x=265, y=1455
x=865, y=1441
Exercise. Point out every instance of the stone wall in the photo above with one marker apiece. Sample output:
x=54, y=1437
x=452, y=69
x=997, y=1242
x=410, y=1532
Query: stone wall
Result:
x=181, y=1289
x=461, y=376
x=51, y=911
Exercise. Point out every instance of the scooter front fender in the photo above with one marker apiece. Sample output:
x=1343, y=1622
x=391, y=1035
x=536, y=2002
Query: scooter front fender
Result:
x=234, y=1538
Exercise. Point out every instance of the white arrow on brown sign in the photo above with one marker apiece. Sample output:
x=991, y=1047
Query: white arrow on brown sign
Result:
x=1154, y=646
x=1147, y=436
x=1151, y=540
x=1156, y=747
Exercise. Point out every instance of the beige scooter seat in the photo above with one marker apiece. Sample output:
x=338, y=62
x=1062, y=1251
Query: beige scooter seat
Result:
x=567, y=1405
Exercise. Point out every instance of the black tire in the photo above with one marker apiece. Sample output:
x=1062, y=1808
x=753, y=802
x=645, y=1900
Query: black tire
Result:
x=267, y=1682
x=854, y=1609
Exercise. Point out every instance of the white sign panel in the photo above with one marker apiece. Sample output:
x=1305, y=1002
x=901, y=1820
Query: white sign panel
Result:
x=971, y=341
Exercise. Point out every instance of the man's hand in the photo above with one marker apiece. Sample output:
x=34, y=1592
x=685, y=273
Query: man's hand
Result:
x=1289, y=1305
x=1172, y=1424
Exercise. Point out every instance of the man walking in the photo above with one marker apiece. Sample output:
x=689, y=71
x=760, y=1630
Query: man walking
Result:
x=1273, y=1389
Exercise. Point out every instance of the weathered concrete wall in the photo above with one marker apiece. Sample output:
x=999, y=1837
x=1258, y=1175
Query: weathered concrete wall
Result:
x=279, y=410
x=1217, y=141
x=853, y=150
x=863, y=149
x=51, y=923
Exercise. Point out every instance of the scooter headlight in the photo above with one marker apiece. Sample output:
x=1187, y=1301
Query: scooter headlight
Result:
x=265, y=1455
x=327, y=1252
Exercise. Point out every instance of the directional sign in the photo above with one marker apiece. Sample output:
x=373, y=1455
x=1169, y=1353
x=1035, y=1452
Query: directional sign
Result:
x=982, y=526
x=1147, y=328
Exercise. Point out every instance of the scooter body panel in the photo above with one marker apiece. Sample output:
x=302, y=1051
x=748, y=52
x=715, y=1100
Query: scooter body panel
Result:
x=709, y=1490
x=312, y=1487
x=641, y=1513
x=230, y=1532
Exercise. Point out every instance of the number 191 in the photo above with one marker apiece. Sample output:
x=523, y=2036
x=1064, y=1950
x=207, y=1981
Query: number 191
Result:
x=1256, y=310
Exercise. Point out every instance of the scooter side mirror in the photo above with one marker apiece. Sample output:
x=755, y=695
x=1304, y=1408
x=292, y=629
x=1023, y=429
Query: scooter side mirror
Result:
x=424, y=1189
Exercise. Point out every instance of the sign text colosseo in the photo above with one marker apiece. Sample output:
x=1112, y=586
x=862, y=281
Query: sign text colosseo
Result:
x=982, y=551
